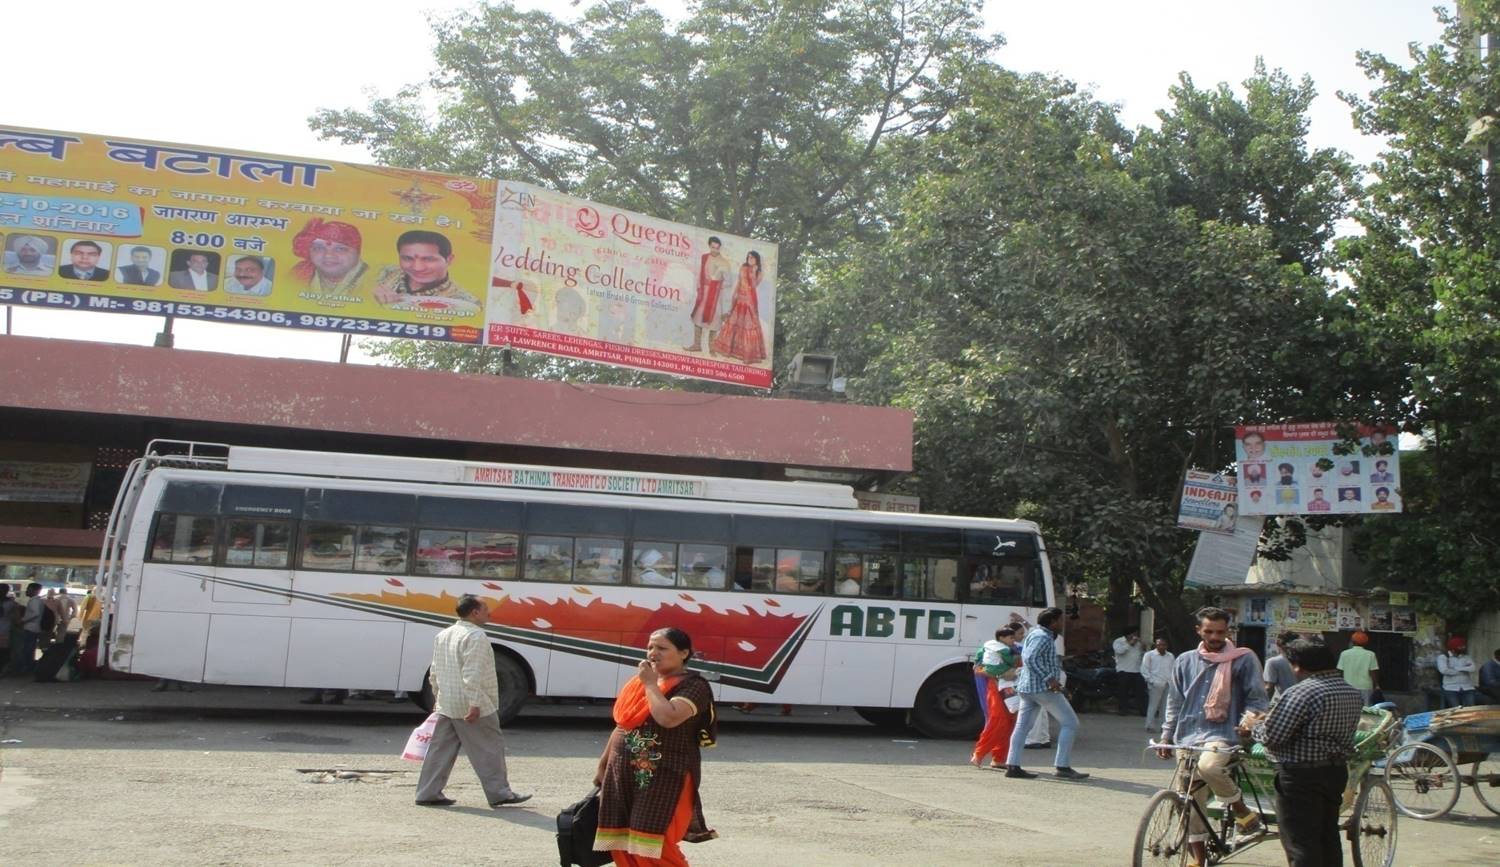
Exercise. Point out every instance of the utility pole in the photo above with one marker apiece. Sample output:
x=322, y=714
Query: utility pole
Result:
x=1487, y=126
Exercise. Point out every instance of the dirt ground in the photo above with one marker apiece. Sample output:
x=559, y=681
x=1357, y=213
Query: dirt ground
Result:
x=110, y=773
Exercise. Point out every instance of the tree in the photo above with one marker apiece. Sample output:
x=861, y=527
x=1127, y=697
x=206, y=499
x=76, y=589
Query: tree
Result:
x=766, y=118
x=1072, y=334
x=1428, y=294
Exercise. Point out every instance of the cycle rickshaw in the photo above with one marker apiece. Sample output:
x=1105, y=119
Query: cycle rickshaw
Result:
x=1440, y=753
x=1368, y=818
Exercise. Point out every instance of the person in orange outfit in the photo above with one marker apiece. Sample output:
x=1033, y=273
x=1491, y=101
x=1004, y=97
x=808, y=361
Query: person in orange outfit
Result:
x=997, y=662
x=649, y=772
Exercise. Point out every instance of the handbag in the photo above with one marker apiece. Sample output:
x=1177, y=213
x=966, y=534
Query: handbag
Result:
x=576, y=826
x=1012, y=699
x=421, y=737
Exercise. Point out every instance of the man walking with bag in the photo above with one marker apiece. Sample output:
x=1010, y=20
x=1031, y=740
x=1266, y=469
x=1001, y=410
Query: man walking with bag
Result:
x=466, y=699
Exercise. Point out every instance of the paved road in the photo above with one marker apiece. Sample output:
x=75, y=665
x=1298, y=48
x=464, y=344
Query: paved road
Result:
x=108, y=772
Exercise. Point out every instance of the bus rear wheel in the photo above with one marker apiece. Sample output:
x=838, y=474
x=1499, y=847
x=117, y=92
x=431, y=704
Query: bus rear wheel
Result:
x=948, y=705
x=515, y=687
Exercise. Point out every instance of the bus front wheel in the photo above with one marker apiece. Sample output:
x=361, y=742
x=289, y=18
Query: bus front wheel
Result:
x=948, y=705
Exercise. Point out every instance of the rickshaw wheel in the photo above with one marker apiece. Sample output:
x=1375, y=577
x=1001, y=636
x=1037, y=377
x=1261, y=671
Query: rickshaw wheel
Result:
x=1486, y=783
x=1372, y=825
x=1423, y=780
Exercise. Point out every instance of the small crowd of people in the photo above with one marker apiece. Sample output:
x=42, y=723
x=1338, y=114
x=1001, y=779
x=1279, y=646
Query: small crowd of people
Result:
x=34, y=623
x=1204, y=706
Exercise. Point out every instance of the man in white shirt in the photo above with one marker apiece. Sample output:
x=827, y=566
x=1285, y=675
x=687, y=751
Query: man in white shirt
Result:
x=1156, y=671
x=1130, y=689
x=31, y=627
x=1457, y=669
x=466, y=698
x=249, y=278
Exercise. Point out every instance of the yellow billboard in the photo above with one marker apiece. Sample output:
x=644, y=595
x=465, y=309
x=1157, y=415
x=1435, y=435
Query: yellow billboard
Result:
x=120, y=225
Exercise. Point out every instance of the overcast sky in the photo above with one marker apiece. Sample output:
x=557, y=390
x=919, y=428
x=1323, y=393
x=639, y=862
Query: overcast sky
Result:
x=247, y=76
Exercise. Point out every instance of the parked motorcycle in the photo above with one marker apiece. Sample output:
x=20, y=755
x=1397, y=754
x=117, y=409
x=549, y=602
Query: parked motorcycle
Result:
x=1091, y=680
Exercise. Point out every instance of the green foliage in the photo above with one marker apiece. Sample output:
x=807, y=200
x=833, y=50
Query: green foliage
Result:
x=1073, y=331
x=1428, y=293
x=781, y=120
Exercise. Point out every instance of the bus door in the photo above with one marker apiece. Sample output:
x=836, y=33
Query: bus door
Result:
x=998, y=575
x=252, y=589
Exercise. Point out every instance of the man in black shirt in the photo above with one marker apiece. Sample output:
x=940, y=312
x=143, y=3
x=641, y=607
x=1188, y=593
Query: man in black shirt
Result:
x=1309, y=734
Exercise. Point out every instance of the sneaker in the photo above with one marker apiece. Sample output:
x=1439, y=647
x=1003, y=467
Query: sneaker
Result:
x=513, y=799
x=1016, y=772
x=1069, y=774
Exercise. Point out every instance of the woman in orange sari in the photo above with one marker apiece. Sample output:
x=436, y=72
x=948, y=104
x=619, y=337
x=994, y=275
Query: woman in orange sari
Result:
x=649, y=772
x=740, y=336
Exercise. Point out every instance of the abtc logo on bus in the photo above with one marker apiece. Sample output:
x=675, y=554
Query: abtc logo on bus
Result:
x=876, y=621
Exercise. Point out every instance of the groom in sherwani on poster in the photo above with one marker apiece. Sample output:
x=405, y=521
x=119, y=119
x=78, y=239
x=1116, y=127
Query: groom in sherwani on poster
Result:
x=713, y=270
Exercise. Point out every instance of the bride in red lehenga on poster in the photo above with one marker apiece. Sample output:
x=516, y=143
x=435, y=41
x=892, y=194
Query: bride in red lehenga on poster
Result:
x=740, y=336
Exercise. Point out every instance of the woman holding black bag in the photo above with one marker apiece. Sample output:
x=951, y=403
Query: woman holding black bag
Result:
x=651, y=766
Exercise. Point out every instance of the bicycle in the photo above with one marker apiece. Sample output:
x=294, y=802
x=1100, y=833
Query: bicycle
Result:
x=1161, y=838
x=1370, y=825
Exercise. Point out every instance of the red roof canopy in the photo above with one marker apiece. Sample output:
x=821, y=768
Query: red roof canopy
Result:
x=76, y=376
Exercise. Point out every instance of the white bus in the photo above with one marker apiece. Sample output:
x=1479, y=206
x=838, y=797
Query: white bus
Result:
x=272, y=567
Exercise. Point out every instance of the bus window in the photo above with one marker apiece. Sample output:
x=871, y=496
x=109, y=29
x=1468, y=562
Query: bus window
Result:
x=561, y=520
x=183, y=539
x=549, y=558
x=600, y=561
x=493, y=555
x=799, y=571
x=880, y=576
x=757, y=532
x=440, y=552
x=360, y=507
x=328, y=547
x=704, y=567
x=867, y=537
x=199, y=497
x=682, y=526
x=929, y=578
x=382, y=549
x=468, y=514
x=256, y=543
x=872, y=575
x=999, y=582
x=755, y=569
x=261, y=502
x=848, y=573
x=654, y=564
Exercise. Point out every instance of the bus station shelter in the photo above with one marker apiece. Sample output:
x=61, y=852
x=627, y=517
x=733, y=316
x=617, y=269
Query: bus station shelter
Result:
x=73, y=414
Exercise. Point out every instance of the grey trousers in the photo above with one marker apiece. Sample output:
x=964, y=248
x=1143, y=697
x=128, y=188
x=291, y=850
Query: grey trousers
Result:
x=481, y=741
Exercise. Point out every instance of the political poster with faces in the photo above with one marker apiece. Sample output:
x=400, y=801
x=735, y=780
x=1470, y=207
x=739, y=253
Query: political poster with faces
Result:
x=1310, y=469
x=123, y=225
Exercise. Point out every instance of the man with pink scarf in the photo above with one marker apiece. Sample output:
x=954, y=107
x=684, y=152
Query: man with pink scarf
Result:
x=1209, y=691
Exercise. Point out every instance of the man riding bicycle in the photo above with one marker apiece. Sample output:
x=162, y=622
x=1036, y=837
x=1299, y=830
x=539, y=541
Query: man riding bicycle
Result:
x=1209, y=691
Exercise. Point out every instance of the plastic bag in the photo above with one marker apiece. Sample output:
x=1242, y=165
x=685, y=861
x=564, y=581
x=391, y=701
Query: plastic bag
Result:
x=421, y=736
